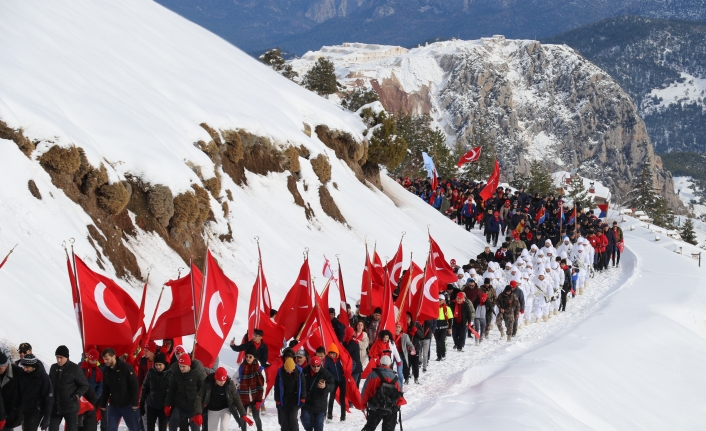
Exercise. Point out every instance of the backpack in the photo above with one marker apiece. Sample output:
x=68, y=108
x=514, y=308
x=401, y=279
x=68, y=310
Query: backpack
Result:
x=387, y=394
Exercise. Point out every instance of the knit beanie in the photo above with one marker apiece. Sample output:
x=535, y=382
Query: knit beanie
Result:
x=251, y=350
x=221, y=374
x=161, y=358
x=185, y=360
x=93, y=355
x=289, y=365
x=29, y=361
x=3, y=360
x=62, y=351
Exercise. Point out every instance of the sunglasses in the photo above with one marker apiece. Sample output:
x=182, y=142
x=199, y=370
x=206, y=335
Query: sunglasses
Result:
x=316, y=366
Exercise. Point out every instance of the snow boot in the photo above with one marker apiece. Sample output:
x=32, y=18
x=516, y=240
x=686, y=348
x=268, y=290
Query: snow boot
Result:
x=477, y=342
x=545, y=318
x=556, y=312
x=502, y=333
x=509, y=338
x=416, y=380
x=580, y=290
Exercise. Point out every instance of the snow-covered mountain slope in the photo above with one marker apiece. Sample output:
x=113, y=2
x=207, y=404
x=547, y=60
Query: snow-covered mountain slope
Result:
x=537, y=102
x=129, y=83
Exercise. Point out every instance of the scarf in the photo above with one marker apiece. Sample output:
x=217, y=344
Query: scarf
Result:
x=89, y=369
x=252, y=383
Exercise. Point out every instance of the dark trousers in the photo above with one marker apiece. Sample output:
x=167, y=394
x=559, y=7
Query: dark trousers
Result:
x=440, y=337
x=332, y=397
x=389, y=420
x=179, y=419
x=413, y=366
x=154, y=415
x=488, y=317
x=514, y=325
x=88, y=422
x=459, y=332
x=312, y=421
x=31, y=420
x=562, y=304
x=492, y=236
x=615, y=256
x=127, y=413
x=288, y=418
x=255, y=416
x=71, y=422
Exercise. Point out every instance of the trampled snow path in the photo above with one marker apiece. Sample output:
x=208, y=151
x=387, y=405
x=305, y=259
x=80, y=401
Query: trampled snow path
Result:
x=461, y=371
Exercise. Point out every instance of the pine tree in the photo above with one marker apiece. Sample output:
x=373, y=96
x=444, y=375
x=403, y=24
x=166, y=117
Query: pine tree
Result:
x=687, y=232
x=520, y=181
x=274, y=59
x=643, y=198
x=321, y=78
x=480, y=170
x=540, y=179
x=440, y=152
x=578, y=193
x=386, y=147
x=358, y=98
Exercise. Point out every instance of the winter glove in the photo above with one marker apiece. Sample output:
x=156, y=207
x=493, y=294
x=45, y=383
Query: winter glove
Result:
x=258, y=405
x=2, y=424
x=198, y=420
x=99, y=415
x=248, y=420
x=278, y=405
x=522, y=312
x=45, y=424
x=302, y=400
x=168, y=411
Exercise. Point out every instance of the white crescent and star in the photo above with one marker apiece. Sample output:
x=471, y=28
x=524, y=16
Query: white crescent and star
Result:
x=99, y=293
x=212, y=313
x=427, y=289
x=395, y=269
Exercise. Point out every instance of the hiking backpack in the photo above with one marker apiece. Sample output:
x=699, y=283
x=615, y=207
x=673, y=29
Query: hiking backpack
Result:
x=387, y=394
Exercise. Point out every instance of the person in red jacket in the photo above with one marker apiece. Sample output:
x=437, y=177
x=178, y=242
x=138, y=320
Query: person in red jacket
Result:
x=601, y=247
x=383, y=397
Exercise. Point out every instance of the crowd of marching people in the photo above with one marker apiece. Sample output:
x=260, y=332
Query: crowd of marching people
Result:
x=541, y=263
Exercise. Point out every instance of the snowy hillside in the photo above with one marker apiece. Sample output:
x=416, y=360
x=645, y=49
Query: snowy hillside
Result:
x=537, y=102
x=129, y=84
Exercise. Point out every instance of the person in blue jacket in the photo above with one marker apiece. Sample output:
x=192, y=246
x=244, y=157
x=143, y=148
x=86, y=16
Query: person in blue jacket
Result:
x=493, y=229
x=468, y=212
x=290, y=394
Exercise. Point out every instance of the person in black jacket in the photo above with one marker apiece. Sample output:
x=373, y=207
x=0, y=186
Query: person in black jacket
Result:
x=183, y=401
x=121, y=388
x=319, y=384
x=338, y=327
x=333, y=364
x=415, y=333
x=353, y=348
x=261, y=350
x=221, y=400
x=154, y=392
x=566, y=287
x=9, y=392
x=463, y=314
x=36, y=397
x=68, y=385
x=290, y=394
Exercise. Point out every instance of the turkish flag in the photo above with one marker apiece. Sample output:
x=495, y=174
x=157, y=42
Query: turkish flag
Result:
x=328, y=274
x=370, y=292
x=435, y=181
x=427, y=304
x=319, y=332
x=178, y=320
x=259, y=317
x=343, y=311
x=493, y=182
x=394, y=267
x=219, y=305
x=297, y=304
x=378, y=270
x=442, y=268
x=111, y=318
x=409, y=287
x=472, y=156
x=140, y=334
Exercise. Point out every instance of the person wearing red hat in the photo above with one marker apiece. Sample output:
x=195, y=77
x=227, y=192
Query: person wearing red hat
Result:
x=93, y=370
x=492, y=228
x=463, y=315
x=183, y=401
x=221, y=400
x=521, y=300
x=480, y=322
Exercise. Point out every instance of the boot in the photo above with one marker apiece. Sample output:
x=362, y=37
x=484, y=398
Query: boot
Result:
x=477, y=342
x=416, y=380
x=580, y=290
x=556, y=312
x=545, y=318
x=502, y=333
x=509, y=338
x=549, y=315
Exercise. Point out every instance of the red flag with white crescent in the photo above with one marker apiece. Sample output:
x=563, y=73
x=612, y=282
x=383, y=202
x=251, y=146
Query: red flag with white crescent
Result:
x=111, y=318
x=442, y=268
x=297, y=304
x=343, y=311
x=218, y=308
x=259, y=317
x=394, y=267
x=388, y=316
x=412, y=282
x=370, y=292
x=472, y=156
x=428, y=297
x=493, y=182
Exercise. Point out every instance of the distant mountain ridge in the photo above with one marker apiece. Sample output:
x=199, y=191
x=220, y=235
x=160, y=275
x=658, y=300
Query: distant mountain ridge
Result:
x=662, y=65
x=255, y=25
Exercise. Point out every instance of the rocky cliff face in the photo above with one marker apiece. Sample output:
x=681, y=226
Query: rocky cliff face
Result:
x=537, y=102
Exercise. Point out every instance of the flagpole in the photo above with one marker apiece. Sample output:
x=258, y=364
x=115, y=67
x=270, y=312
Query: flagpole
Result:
x=75, y=288
x=137, y=342
x=78, y=293
x=8, y=255
x=154, y=315
x=258, y=300
x=406, y=289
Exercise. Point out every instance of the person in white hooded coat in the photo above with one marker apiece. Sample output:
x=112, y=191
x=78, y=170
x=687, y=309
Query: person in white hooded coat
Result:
x=543, y=295
x=529, y=290
x=582, y=263
x=565, y=246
